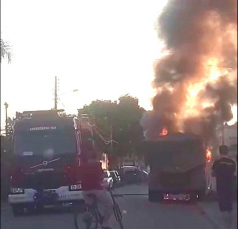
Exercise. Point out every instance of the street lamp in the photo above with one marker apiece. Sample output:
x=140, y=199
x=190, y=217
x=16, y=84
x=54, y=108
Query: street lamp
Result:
x=6, y=106
x=57, y=97
x=75, y=90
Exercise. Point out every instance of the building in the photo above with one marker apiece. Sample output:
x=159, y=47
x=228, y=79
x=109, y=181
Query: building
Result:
x=227, y=135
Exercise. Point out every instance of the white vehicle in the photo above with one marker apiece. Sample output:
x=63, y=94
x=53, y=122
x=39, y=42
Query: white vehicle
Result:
x=46, y=148
x=107, y=182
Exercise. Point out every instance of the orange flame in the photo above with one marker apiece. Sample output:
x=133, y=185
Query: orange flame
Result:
x=210, y=66
x=104, y=162
x=208, y=155
x=164, y=132
x=211, y=69
x=193, y=105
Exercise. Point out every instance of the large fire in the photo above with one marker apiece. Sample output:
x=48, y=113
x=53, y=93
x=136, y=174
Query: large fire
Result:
x=197, y=70
x=193, y=106
x=196, y=81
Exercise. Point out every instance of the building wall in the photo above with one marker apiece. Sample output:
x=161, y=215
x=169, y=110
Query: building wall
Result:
x=228, y=134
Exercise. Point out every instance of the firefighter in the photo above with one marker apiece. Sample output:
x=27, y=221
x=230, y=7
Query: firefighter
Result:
x=224, y=169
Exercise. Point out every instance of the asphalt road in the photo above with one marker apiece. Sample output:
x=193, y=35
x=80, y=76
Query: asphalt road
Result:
x=138, y=213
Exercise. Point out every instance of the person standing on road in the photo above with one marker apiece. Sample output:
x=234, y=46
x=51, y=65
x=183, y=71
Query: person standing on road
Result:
x=91, y=175
x=223, y=169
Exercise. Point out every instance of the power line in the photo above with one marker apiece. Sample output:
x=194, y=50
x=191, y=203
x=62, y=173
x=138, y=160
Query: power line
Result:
x=106, y=141
x=96, y=129
x=101, y=131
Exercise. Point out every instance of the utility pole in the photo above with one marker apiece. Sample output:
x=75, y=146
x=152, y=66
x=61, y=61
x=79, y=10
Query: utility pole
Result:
x=111, y=139
x=223, y=134
x=6, y=127
x=56, y=90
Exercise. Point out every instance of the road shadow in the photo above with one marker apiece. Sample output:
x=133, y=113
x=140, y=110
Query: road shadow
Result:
x=178, y=199
x=49, y=211
x=178, y=202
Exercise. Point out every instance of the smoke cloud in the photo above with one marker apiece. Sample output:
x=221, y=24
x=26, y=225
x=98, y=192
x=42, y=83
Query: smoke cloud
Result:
x=196, y=80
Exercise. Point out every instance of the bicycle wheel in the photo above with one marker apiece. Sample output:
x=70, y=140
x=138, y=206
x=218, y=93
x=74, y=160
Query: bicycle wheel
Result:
x=86, y=218
x=94, y=219
x=118, y=215
x=78, y=211
x=121, y=225
x=117, y=212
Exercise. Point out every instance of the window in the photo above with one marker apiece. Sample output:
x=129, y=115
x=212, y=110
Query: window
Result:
x=37, y=143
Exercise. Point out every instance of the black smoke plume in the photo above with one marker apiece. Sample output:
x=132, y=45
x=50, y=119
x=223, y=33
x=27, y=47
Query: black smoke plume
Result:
x=199, y=35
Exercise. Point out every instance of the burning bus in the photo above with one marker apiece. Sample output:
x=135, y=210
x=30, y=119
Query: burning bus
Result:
x=177, y=164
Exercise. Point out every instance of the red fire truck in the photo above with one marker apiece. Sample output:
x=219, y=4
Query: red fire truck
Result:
x=47, y=148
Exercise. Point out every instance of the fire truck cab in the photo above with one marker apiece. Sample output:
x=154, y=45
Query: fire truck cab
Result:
x=46, y=148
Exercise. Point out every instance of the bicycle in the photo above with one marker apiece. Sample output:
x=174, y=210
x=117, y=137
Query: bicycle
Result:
x=90, y=215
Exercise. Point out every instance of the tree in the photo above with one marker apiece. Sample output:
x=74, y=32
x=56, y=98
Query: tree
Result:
x=122, y=117
x=101, y=113
x=5, y=51
x=131, y=133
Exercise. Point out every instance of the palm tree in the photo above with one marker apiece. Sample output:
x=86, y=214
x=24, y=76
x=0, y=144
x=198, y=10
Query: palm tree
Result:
x=5, y=51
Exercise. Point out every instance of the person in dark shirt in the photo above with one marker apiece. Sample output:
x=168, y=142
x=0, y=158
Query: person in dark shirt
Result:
x=91, y=176
x=223, y=169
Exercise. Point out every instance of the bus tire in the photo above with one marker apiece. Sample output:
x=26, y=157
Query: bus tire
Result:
x=198, y=195
x=201, y=195
x=156, y=196
x=152, y=196
x=160, y=196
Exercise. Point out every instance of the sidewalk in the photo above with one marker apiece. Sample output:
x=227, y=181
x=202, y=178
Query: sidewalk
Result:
x=212, y=212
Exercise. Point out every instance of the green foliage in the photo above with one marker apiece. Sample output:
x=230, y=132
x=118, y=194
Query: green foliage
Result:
x=122, y=117
x=5, y=51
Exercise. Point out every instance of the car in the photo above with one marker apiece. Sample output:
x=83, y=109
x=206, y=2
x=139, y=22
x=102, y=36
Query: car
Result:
x=131, y=174
x=107, y=182
x=128, y=168
x=144, y=175
x=116, y=177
